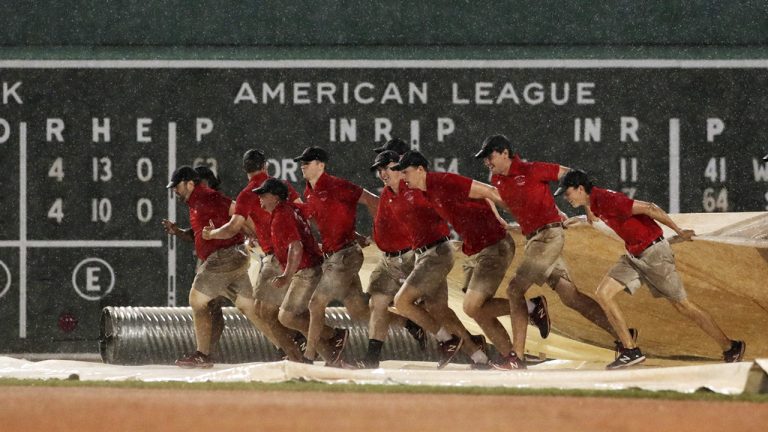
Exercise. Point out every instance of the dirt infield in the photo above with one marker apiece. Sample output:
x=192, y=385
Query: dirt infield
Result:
x=99, y=409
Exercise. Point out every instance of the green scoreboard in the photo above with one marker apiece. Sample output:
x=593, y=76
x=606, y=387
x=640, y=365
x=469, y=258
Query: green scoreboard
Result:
x=88, y=146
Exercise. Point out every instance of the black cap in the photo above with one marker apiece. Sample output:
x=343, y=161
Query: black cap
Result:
x=411, y=158
x=207, y=174
x=273, y=186
x=312, y=153
x=493, y=143
x=573, y=178
x=253, y=160
x=395, y=144
x=183, y=173
x=765, y=158
x=384, y=158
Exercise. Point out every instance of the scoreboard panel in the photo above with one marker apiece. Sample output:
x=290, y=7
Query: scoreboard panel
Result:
x=88, y=146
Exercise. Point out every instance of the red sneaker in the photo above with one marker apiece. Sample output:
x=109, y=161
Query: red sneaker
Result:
x=509, y=362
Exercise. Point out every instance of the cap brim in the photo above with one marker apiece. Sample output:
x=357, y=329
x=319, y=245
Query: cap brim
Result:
x=398, y=167
x=380, y=149
x=376, y=166
x=482, y=153
x=765, y=158
x=171, y=185
x=560, y=191
x=259, y=191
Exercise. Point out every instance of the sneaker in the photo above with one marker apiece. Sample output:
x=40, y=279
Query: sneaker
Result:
x=508, y=362
x=300, y=341
x=338, y=342
x=418, y=333
x=367, y=364
x=479, y=340
x=633, y=333
x=195, y=360
x=627, y=358
x=448, y=350
x=736, y=353
x=540, y=316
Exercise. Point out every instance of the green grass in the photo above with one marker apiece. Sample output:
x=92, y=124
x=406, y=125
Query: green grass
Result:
x=300, y=386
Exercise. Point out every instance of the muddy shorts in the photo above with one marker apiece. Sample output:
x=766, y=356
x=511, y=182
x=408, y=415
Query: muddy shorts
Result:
x=300, y=290
x=484, y=271
x=655, y=267
x=431, y=270
x=341, y=278
x=225, y=273
x=263, y=290
x=542, y=260
x=390, y=273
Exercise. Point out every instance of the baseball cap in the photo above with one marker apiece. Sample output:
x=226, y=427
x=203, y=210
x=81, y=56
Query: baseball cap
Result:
x=493, y=143
x=411, y=158
x=765, y=158
x=274, y=187
x=254, y=157
x=395, y=144
x=206, y=174
x=573, y=178
x=183, y=173
x=384, y=158
x=312, y=153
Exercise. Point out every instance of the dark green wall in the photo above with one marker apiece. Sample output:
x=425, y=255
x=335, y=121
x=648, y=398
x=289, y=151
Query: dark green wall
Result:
x=382, y=23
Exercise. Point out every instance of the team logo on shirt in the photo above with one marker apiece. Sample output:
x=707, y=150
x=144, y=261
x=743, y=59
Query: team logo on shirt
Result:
x=520, y=180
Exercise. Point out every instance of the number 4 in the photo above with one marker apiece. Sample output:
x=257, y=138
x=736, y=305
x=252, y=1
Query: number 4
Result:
x=56, y=211
x=57, y=169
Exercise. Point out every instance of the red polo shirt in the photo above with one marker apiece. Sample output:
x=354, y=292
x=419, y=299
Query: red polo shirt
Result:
x=472, y=219
x=389, y=232
x=525, y=190
x=615, y=209
x=332, y=203
x=209, y=205
x=421, y=221
x=248, y=204
x=288, y=226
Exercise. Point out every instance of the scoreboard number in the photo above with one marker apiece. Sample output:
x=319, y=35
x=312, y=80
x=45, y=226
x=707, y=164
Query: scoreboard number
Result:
x=102, y=169
x=57, y=169
x=56, y=211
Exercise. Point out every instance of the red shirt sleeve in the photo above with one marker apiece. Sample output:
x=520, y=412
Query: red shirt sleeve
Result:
x=458, y=186
x=545, y=171
x=246, y=200
x=347, y=191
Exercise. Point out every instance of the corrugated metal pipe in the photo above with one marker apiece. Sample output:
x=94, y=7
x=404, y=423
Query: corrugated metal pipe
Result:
x=160, y=335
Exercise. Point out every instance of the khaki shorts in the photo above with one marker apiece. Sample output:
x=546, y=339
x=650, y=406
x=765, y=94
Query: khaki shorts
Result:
x=431, y=270
x=263, y=290
x=655, y=268
x=484, y=271
x=543, y=262
x=390, y=273
x=341, y=277
x=300, y=290
x=225, y=274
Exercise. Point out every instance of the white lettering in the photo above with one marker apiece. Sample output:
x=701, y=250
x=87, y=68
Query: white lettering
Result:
x=455, y=96
x=268, y=93
x=629, y=127
x=391, y=93
x=445, y=127
x=54, y=127
x=301, y=93
x=142, y=130
x=245, y=94
x=715, y=127
x=101, y=130
x=11, y=92
x=203, y=126
x=533, y=93
x=584, y=93
x=382, y=128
